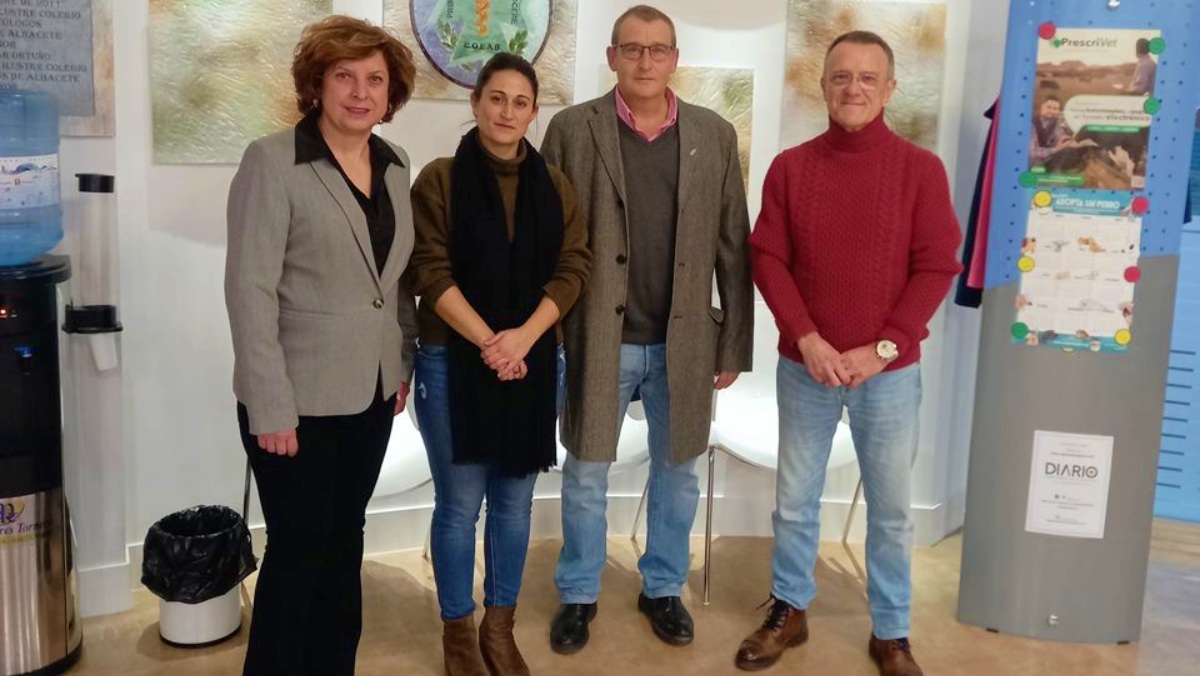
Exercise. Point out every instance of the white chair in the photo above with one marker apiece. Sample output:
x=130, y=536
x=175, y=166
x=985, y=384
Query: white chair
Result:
x=746, y=427
x=405, y=466
x=632, y=449
x=632, y=445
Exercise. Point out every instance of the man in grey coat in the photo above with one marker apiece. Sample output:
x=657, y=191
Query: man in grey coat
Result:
x=662, y=188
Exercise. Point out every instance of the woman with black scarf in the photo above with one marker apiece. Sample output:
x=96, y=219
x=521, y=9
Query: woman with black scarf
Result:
x=500, y=256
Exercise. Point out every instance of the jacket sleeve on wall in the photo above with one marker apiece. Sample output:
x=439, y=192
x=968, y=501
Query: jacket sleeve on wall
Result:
x=967, y=295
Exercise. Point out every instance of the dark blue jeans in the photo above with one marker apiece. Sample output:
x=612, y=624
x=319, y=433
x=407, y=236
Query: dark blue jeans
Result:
x=458, y=494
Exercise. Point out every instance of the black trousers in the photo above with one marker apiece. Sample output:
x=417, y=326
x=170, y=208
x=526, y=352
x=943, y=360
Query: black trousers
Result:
x=308, y=598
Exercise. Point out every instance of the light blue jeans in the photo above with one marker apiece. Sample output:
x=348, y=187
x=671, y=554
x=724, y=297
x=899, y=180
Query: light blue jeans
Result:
x=459, y=492
x=884, y=424
x=674, y=495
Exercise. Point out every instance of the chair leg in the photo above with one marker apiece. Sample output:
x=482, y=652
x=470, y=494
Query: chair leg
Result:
x=853, y=506
x=428, y=539
x=246, y=494
x=637, y=517
x=247, y=600
x=708, y=524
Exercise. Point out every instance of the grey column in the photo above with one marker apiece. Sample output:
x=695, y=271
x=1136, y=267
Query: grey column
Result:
x=1064, y=588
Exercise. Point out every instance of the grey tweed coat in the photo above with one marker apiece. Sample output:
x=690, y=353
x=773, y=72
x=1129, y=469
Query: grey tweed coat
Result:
x=711, y=245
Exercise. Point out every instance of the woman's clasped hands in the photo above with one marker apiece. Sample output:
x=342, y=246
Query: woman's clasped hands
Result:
x=504, y=352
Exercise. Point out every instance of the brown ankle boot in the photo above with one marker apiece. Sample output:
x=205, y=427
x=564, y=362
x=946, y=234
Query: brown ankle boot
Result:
x=894, y=657
x=497, y=645
x=461, y=648
x=785, y=627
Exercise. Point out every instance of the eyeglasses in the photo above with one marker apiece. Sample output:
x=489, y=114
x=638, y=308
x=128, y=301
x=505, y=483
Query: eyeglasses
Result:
x=632, y=51
x=865, y=80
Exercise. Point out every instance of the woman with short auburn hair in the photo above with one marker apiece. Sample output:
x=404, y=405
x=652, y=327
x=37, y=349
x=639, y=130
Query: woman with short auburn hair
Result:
x=320, y=231
x=342, y=38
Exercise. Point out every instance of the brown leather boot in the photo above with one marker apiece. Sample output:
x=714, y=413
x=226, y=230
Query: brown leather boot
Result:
x=496, y=643
x=785, y=627
x=894, y=657
x=461, y=648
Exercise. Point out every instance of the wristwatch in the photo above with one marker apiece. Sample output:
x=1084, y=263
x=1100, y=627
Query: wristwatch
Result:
x=887, y=350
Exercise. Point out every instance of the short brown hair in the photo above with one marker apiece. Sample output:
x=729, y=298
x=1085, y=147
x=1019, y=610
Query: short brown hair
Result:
x=645, y=13
x=342, y=38
x=865, y=38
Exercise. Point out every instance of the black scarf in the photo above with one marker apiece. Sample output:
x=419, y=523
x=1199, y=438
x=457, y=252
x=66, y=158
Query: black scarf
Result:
x=506, y=424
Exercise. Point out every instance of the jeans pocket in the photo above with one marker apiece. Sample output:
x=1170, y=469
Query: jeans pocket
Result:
x=431, y=351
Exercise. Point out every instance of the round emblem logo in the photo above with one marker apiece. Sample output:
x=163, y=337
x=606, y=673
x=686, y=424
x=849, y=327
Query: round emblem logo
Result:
x=459, y=36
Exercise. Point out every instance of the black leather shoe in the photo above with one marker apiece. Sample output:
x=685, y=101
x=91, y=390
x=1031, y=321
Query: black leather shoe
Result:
x=569, y=631
x=668, y=617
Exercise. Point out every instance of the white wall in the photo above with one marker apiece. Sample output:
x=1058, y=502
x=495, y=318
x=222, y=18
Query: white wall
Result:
x=181, y=446
x=984, y=50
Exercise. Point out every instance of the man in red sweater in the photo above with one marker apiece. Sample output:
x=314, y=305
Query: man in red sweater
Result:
x=854, y=250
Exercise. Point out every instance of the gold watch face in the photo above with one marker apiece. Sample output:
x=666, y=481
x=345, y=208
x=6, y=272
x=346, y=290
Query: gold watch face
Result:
x=886, y=350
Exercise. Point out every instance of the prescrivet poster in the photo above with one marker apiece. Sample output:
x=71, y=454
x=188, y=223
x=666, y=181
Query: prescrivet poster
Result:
x=1093, y=104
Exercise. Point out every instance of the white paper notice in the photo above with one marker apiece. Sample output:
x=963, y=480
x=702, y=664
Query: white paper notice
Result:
x=1068, y=484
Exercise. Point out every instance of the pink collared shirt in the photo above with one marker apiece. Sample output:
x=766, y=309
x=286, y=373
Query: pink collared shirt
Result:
x=626, y=114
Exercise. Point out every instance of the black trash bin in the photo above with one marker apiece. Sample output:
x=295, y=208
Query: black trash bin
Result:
x=193, y=561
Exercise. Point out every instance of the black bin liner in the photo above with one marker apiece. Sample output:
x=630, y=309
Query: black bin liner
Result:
x=197, y=554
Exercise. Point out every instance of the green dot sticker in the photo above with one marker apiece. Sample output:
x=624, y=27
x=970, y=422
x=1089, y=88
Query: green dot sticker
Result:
x=1020, y=330
x=1158, y=45
x=1028, y=179
x=1152, y=106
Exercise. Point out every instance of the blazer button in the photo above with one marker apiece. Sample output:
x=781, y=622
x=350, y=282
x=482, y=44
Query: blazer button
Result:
x=378, y=303
x=620, y=309
x=621, y=259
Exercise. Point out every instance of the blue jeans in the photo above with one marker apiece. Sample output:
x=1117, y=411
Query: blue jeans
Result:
x=885, y=426
x=458, y=494
x=674, y=494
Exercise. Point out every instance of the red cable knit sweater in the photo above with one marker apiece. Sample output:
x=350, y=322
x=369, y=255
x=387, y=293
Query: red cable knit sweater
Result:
x=857, y=240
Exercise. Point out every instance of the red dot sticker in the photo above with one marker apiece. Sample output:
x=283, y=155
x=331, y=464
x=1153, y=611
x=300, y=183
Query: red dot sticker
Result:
x=1047, y=30
x=1133, y=274
x=1140, y=205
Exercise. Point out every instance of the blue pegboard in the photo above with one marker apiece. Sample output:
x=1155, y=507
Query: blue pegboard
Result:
x=1178, y=87
x=1177, y=494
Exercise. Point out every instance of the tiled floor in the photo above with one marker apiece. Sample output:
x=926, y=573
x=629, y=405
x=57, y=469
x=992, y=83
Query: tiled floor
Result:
x=402, y=631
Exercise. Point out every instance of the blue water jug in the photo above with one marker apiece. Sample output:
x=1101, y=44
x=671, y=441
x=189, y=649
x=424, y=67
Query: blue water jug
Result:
x=30, y=202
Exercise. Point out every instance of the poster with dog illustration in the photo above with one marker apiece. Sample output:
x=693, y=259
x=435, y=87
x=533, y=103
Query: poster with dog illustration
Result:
x=1079, y=267
x=1093, y=104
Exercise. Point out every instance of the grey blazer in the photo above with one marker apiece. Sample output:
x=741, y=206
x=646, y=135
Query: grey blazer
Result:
x=711, y=248
x=314, y=323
